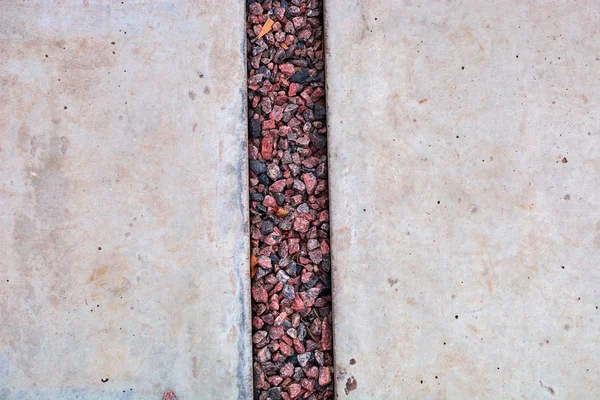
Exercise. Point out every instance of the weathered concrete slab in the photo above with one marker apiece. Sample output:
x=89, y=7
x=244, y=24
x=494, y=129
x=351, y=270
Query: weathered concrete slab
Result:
x=464, y=202
x=123, y=252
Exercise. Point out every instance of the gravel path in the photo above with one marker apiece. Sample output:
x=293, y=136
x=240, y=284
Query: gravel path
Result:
x=291, y=289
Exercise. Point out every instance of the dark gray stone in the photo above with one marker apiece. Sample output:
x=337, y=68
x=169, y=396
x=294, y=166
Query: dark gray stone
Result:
x=258, y=167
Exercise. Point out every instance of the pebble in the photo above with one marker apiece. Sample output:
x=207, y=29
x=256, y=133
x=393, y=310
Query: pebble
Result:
x=287, y=153
x=258, y=167
x=303, y=359
x=274, y=393
x=298, y=374
x=287, y=69
x=318, y=140
x=324, y=376
x=266, y=226
x=302, y=332
x=264, y=262
x=282, y=277
x=255, y=8
x=312, y=372
x=294, y=389
x=255, y=196
x=273, y=172
x=255, y=128
x=301, y=225
x=263, y=355
x=293, y=269
x=319, y=357
x=259, y=336
x=300, y=76
x=259, y=294
x=310, y=181
x=291, y=332
x=278, y=186
x=287, y=370
x=308, y=384
x=288, y=292
x=276, y=332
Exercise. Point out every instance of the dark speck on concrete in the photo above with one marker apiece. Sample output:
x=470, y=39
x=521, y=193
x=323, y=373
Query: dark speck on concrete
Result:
x=351, y=384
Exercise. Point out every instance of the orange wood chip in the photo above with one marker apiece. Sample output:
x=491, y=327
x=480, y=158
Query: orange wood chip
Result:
x=281, y=212
x=266, y=28
x=253, y=265
x=283, y=45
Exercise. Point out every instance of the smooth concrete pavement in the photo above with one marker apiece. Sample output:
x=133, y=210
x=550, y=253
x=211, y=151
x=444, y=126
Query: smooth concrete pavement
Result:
x=465, y=195
x=123, y=179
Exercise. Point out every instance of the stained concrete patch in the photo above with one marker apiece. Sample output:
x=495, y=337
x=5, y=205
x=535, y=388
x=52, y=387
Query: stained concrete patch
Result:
x=123, y=258
x=464, y=182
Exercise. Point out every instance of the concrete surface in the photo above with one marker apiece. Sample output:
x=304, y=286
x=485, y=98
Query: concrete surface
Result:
x=464, y=202
x=123, y=252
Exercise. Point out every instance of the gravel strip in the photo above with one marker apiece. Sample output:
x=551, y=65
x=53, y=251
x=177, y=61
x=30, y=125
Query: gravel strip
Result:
x=291, y=287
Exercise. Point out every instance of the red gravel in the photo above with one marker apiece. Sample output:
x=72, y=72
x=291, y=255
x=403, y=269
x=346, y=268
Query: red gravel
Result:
x=291, y=287
x=169, y=395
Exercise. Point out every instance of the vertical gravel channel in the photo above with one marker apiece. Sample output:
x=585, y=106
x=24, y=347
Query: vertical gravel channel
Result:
x=290, y=263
